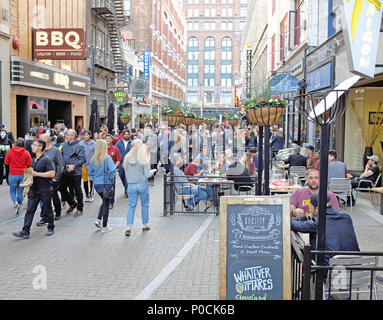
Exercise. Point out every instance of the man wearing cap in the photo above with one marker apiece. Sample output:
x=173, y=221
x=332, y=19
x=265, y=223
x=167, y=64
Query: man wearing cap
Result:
x=311, y=156
x=340, y=233
x=368, y=177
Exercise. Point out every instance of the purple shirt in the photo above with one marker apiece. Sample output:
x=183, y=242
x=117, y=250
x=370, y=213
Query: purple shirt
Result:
x=301, y=199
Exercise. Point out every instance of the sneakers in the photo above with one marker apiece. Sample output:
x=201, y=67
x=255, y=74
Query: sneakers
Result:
x=21, y=235
x=18, y=209
x=50, y=232
x=78, y=213
x=58, y=217
x=106, y=229
x=41, y=222
x=86, y=199
x=91, y=198
x=70, y=210
x=63, y=205
x=97, y=223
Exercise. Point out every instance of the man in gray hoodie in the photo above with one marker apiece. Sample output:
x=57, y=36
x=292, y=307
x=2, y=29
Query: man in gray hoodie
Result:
x=89, y=145
x=73, y=159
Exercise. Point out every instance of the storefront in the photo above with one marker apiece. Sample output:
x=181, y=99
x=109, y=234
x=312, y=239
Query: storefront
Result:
x=42, y=93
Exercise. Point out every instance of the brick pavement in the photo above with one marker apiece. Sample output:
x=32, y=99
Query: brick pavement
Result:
x=82, y=263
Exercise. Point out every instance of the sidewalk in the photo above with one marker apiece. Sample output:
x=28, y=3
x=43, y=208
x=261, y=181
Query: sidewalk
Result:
x=177, y=259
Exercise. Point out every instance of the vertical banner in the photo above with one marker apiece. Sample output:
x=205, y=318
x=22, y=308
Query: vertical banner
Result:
x=147, y=65
x=361, y=21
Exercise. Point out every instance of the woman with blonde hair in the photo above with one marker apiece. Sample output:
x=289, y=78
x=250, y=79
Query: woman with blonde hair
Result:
x=137, y=170
x=102, y=171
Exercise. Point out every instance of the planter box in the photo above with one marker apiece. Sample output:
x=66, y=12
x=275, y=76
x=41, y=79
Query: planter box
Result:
x=173, y=119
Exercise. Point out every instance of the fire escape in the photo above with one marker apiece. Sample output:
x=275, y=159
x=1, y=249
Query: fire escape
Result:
x=112, y=11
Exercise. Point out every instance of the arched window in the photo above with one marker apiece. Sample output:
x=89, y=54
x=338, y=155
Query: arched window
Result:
x=209, y=48
x=226, y=48
x=226, y=62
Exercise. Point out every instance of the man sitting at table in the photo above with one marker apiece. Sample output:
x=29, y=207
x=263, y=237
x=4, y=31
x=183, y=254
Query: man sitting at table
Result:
x=239, y=174
x=340, y=234
x=296, y=159
x=300, y=199
x=184, y=187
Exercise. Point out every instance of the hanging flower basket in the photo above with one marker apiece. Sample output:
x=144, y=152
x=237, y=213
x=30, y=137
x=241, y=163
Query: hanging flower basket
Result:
x=188, y=121
x=266, y=116
x=173, y=119
x=198, y=122
x=125, y=120
x=154, y=121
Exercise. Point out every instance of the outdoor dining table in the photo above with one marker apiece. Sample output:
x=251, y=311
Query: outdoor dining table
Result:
x=216, y=183
x=286, y=189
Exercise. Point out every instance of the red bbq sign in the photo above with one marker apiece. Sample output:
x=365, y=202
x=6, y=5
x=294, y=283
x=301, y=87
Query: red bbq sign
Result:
x=59, y=44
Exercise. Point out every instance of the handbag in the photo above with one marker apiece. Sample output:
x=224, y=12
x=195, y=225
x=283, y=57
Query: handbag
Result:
x=28, y=178
x=108, y=194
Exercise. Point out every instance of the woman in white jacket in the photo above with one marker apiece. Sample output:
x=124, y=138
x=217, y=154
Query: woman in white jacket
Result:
x=137, y=170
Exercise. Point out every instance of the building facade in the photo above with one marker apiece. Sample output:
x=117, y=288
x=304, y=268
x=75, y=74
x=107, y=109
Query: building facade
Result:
x=5, y=40
x=42, y=90
x=214, y=33
x=159, y=27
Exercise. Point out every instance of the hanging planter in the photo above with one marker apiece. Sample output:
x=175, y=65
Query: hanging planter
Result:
x=125, y=120
x=266, y=112
x=232, y=118
x=173, y=116
x=188, y=121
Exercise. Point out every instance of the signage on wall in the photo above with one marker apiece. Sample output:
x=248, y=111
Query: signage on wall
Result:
x=120, y=98
x=59, y=44
x=361, y=22
x=320, y=78
x=42, y=76
x=147, y=64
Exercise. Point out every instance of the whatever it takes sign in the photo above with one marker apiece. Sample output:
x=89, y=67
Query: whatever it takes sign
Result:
x=255, y=253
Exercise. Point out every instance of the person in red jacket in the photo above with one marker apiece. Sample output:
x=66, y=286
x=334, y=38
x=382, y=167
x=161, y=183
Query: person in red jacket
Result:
x=18, y=159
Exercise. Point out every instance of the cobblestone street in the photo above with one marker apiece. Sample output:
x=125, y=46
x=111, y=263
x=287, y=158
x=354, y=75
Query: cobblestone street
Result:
x=177, y=259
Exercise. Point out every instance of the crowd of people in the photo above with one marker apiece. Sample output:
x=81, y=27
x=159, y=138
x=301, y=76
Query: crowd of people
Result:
x=65, y=167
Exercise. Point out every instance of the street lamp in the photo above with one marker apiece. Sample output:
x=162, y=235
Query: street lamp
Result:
x=323, y=109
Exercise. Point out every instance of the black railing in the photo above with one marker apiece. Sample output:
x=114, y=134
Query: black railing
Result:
x=304, y=273
x=205, y=195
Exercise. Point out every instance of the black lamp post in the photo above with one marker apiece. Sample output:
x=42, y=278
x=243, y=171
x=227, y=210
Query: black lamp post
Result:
x=323, y=109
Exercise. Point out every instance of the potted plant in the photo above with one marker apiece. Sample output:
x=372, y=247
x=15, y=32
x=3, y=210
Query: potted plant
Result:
x=144, y=118
x=266, y=109
x=188, y=116
x=155, y=118
x=198, y=120
x=172, y=115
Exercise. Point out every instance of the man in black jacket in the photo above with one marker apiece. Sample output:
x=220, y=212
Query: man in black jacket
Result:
x=296, y=159
x=340, y=234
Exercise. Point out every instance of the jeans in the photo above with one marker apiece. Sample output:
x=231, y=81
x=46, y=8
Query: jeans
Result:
x=121, y=173
x=135, y=190
x=16, y=191
x=103, y=213
x=200, y=193
x=114, y=193
x=56, y=201
x=34, y=197
x=74, y=181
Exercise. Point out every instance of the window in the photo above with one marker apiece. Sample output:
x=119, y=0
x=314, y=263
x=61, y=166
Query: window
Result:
x=196, y=12
x=297, y=23
x=223, y=26
x=190, y=26
x=230, y=12
x=334, y=18
x=242, y=25
x=192, y=82
x=207, y=12
x=283, y=39
x=230, y=26
x=226, y=47
x=224, y=12
x=190, y=12
x=243, y=11
x=273, y=52
x=226, y=98
x=226, y=82
x=209, y=82
x=209, y=68
x=207, y=26
x=213, y=12
x=226, y=68
x=192, y=97
x=196, y=26
x=192, y=67
x=212, y=26
x=127, y=5
x=208, y=96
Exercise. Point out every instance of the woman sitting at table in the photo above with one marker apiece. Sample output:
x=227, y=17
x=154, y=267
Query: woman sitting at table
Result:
x=239, y=174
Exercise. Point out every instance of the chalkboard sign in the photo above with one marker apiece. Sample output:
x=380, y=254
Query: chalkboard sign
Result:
x=255, y=252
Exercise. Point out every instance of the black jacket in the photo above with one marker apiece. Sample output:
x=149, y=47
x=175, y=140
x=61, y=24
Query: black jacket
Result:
x=340, y=233
x=296, y=160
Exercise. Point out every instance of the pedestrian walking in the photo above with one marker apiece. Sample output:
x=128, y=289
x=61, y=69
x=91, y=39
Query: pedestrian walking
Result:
x=89, y=145
x=102, y=171
x=4, y=148
x=43, y=170
x=124, y=145
x=54, y=154
x=116, y=157
x=151, y=140
x=18, y=159
x=137, y=169
x=73, y=159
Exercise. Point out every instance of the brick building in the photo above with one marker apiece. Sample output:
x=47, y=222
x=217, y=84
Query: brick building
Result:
x=159, y=26
x=214, y=31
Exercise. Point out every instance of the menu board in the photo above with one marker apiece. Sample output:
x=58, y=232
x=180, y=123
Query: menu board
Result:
x=255, y=248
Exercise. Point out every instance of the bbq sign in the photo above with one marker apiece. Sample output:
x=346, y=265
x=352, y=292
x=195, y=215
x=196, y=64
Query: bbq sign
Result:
x=59, y=44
